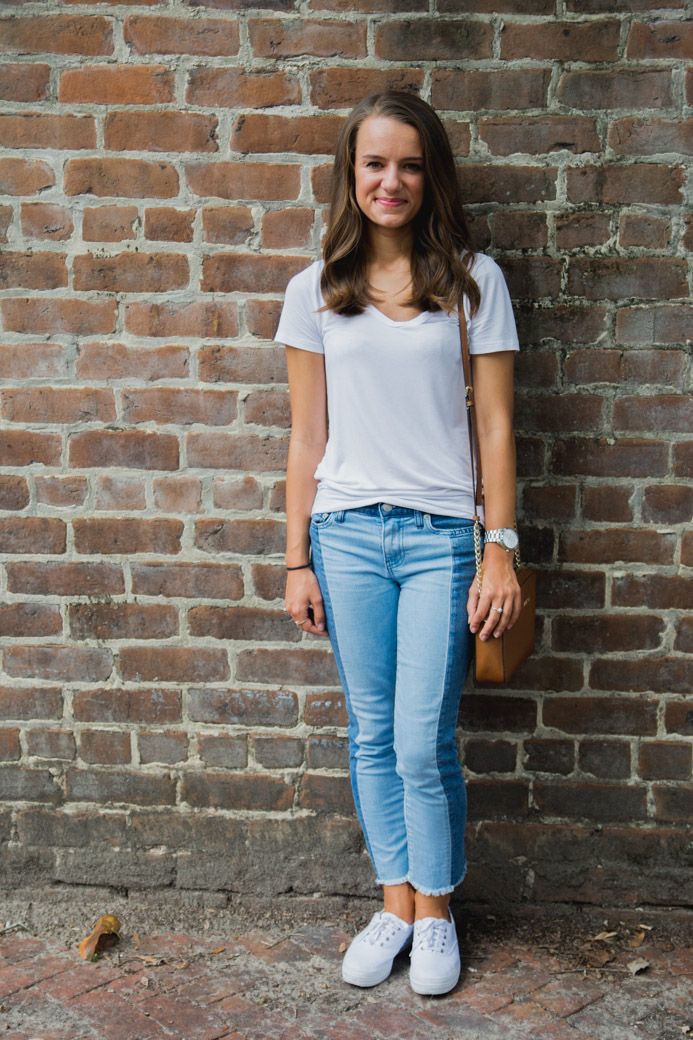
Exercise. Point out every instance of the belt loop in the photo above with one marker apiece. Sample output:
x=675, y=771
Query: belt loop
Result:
x=419, y=518
x=341, y=513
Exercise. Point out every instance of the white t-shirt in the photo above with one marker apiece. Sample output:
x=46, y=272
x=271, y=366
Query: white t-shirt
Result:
x=395, y=394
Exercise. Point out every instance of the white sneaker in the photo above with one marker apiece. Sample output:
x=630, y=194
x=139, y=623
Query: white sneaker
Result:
x=369, y=958
x=435, y=956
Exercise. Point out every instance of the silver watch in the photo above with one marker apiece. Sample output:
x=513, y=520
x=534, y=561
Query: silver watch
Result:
x=505, y=536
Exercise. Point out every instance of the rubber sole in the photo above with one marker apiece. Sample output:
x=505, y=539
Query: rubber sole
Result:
x=434, y=987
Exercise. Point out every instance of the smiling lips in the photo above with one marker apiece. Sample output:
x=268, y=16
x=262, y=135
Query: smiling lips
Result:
x=392, y=203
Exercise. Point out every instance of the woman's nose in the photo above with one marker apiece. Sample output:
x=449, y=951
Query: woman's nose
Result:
x=391, y=177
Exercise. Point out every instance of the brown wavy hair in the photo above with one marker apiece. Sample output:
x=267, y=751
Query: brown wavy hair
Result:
x=441, y=243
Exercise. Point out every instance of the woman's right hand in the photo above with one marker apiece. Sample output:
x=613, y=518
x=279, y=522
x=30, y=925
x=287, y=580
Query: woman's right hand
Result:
x=303, y=593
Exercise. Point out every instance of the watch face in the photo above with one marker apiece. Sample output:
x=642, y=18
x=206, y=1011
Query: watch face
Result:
x=510, y=539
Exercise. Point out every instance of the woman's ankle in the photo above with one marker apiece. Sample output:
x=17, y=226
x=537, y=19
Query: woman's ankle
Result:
x=399, y=900
x=431, y=906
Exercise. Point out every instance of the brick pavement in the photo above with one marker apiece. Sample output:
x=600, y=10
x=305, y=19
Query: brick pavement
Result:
x=285, y=984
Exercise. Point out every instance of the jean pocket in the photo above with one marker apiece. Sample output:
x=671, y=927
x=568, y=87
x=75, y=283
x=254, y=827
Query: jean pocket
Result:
x=322, y=519
x=448, y=524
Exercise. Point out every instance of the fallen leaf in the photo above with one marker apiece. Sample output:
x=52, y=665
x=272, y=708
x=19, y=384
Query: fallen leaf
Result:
x=180, y=964
x=636, y=940
x=342, y=947
x=638, y=965
x=219, y=949
x=648, y=928
x=103, y=934
x=604, y=936
x=149, y=959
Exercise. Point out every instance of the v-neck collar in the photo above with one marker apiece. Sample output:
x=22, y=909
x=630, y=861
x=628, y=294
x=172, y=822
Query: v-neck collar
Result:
x=418, y=319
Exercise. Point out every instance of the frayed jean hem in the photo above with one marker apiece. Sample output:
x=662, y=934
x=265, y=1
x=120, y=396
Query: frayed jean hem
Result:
x=447, y=890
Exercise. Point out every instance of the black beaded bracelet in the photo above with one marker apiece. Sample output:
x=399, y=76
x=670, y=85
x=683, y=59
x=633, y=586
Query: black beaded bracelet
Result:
x=299, y=568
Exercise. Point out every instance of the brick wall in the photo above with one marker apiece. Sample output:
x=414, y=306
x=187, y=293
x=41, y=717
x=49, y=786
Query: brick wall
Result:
x=164, y=169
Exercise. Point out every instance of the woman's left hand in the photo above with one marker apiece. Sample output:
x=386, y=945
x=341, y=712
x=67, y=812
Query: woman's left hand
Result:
x=499, y=589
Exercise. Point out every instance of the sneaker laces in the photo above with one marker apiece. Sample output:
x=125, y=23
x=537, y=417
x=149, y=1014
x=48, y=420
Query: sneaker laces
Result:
x=431, y=934
x=381, y=929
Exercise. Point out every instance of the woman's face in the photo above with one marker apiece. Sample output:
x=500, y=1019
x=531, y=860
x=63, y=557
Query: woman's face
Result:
x=388, y=171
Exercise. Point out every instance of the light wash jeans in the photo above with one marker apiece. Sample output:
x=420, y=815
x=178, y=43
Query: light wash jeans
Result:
x=395, y=582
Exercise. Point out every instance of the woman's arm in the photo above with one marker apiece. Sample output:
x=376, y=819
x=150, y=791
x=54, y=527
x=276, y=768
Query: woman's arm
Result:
x=493, y=400
x=308, y=398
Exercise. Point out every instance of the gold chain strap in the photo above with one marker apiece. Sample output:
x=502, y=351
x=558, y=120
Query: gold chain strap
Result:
x=477, y=554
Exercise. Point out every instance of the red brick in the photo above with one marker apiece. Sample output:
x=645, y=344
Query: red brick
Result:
x=343, y=87
x=575, y=230
x=287, y=228
x=45, y=404
x=188, y=580
x=130, y=178
x=606, y=633
x=242, y=365
x=113, y=786
x=6, y=217
x=236, y=493
x=23, y=702
x=30, y=619
x=41, y=130
x=158, y=35
x=237, y=451
x=69, y=663
x=664, y=760
x=660, y=674
x=10, y=749
x=673, y=803
x=46, y=220
x=672, y=504
x=660, y=39
x=549, y=502
x=109, y=223
x=135, y=449
x=429, y=39
x=177, y=494
x=615, y=88
x=33, y=271
x=307, y=667
x=684, y=635
x=108, y=361
x=497, y=798
x=607, y=503
x=548, y=412
x=32, y=360
x=230, y=225
x=626, y=457
x=663, y=367
x=248, y=272
x=618, y=184
x=127, y=536
x=616, y=545
x=56, y=34
x=522, y=230
x=167, y=748
x=228, y=791
x=244, y=623
x=14, y=492
x=616, y=278
x=279, y=752
x=229, y=752
x=19, y=784
x=243, y=707
x=649, y=325
x=49, y=578
x=164, y=224
x=114, y=492
x=32, y=534
x=267, y=408
x=160, y=132
x=131, y=272
x=120, y=705
x=608, y=759
x=173, y=664
x=210, y=319
x=244, y=180
x=320, y=38
x=180, y=406
x=110, y=747
x=24, y=82
x=678, y=717
x=590, y=801
x=323, y=793
x=634, y=135
x=81, y=317
x=325, y=709
x=238, y=88
x=658, y=412
x=549, y=755
x=117, y=85
x=104, y=621
x=255, y=537
x=308, y=135
x=641, y=229
x=24, y=176
x=673, y=592
x=594, y=40
x=22, y=448
x=506, y=135
x=51, y=743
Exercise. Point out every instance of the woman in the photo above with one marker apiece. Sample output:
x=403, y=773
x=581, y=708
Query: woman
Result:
x=384, y=504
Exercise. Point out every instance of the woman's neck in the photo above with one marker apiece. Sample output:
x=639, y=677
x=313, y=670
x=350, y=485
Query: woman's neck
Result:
x=389, y=247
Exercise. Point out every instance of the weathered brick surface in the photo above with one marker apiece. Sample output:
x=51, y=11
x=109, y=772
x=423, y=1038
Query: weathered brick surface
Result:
x=165, y=170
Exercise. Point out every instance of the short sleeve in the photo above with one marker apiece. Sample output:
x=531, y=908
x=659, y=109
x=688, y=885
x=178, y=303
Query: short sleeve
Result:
x=493, y=326
x=299, y=321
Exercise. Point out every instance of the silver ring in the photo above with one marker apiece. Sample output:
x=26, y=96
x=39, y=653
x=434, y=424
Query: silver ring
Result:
x=499, y=609
x=299, y=623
